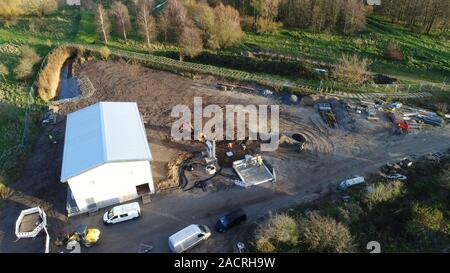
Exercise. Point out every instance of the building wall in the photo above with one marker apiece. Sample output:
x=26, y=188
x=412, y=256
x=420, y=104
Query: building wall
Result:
x=111, y=183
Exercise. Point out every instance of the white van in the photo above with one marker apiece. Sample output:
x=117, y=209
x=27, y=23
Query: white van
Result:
x=344, y=185
x=122, y=213
x=188, y=237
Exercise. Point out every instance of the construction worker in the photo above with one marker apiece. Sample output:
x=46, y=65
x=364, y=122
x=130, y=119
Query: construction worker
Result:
x=201, y=137
x=51, y=139
x=259, y=160
x=244, y=144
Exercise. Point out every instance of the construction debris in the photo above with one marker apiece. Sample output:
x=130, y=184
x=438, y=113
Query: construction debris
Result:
x=327, y=114
x=408, y=118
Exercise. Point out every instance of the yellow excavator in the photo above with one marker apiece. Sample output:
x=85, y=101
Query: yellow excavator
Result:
x=84, y=235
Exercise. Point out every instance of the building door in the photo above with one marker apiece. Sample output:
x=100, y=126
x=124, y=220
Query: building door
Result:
x=143, y=189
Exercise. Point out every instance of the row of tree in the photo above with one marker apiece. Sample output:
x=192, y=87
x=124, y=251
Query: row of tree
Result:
x=347, y=16
x=191, y=24
x=426, y=14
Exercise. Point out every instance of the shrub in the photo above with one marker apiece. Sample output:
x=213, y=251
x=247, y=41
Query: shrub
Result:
x=247, y=23
x=393, y=52
x=347, y=213
x=352, y=69
x=24, y=70
x=105, y=53
x=384, y=192
x=427, y=218
x=49, y=77
x=30, y=54
x=4, y=72
x=277, y=232
x=442, y=107
x=325, y=234
x=40, y=7
x=3, y=189
x=11, y=8
x=7, y=113
x=227, y=28
x=264, y=26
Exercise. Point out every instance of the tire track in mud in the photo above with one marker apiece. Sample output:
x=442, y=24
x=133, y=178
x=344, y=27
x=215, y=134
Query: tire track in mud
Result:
x=318, y=144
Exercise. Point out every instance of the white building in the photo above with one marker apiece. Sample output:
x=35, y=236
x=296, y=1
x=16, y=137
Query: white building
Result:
x=106, y=156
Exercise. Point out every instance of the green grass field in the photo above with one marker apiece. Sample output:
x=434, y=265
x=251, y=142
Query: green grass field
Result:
x=41, y=35
x=426, y=58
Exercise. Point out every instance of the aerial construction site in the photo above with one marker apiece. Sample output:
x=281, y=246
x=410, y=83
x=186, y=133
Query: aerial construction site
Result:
x=251, y=126
x=316, y=150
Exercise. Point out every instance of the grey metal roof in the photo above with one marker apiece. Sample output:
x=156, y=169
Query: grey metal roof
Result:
x=101, y=133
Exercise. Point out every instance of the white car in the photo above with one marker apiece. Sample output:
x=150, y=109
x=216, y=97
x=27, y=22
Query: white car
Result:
x=188, y=237
x=397, y=176
x=344, y=185
x=122, y=213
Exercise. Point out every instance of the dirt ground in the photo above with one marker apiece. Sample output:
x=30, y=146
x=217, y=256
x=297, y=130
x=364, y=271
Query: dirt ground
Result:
x=329, y=154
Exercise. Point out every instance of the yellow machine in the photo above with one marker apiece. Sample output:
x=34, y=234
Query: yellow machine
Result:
x=86, y=236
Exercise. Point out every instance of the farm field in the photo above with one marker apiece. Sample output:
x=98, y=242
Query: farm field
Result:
x=427, y=57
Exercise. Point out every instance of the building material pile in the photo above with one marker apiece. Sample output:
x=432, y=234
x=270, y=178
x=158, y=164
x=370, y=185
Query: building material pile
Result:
x=327, y=114
x=407, y=118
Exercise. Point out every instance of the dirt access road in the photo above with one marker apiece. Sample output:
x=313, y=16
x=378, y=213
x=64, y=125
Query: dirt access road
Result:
x=330, y=155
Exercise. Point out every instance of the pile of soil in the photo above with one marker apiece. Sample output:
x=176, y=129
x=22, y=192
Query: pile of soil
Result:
x=222, y=147
x=173, y=168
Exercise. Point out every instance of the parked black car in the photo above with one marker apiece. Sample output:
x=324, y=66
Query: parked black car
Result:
x=230, y=220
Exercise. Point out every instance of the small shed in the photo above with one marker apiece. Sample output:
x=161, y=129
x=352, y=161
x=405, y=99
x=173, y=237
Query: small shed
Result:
x=106, y=157
x=73, y=2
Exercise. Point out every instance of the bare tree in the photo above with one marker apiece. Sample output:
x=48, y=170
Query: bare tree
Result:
x=172, y=21
x=163, y=24
x=202, y=15
x=103, y=24
x=424, y=15
x=227, y=27
x=191, y=43
x=123, y=24
x=146, y=22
